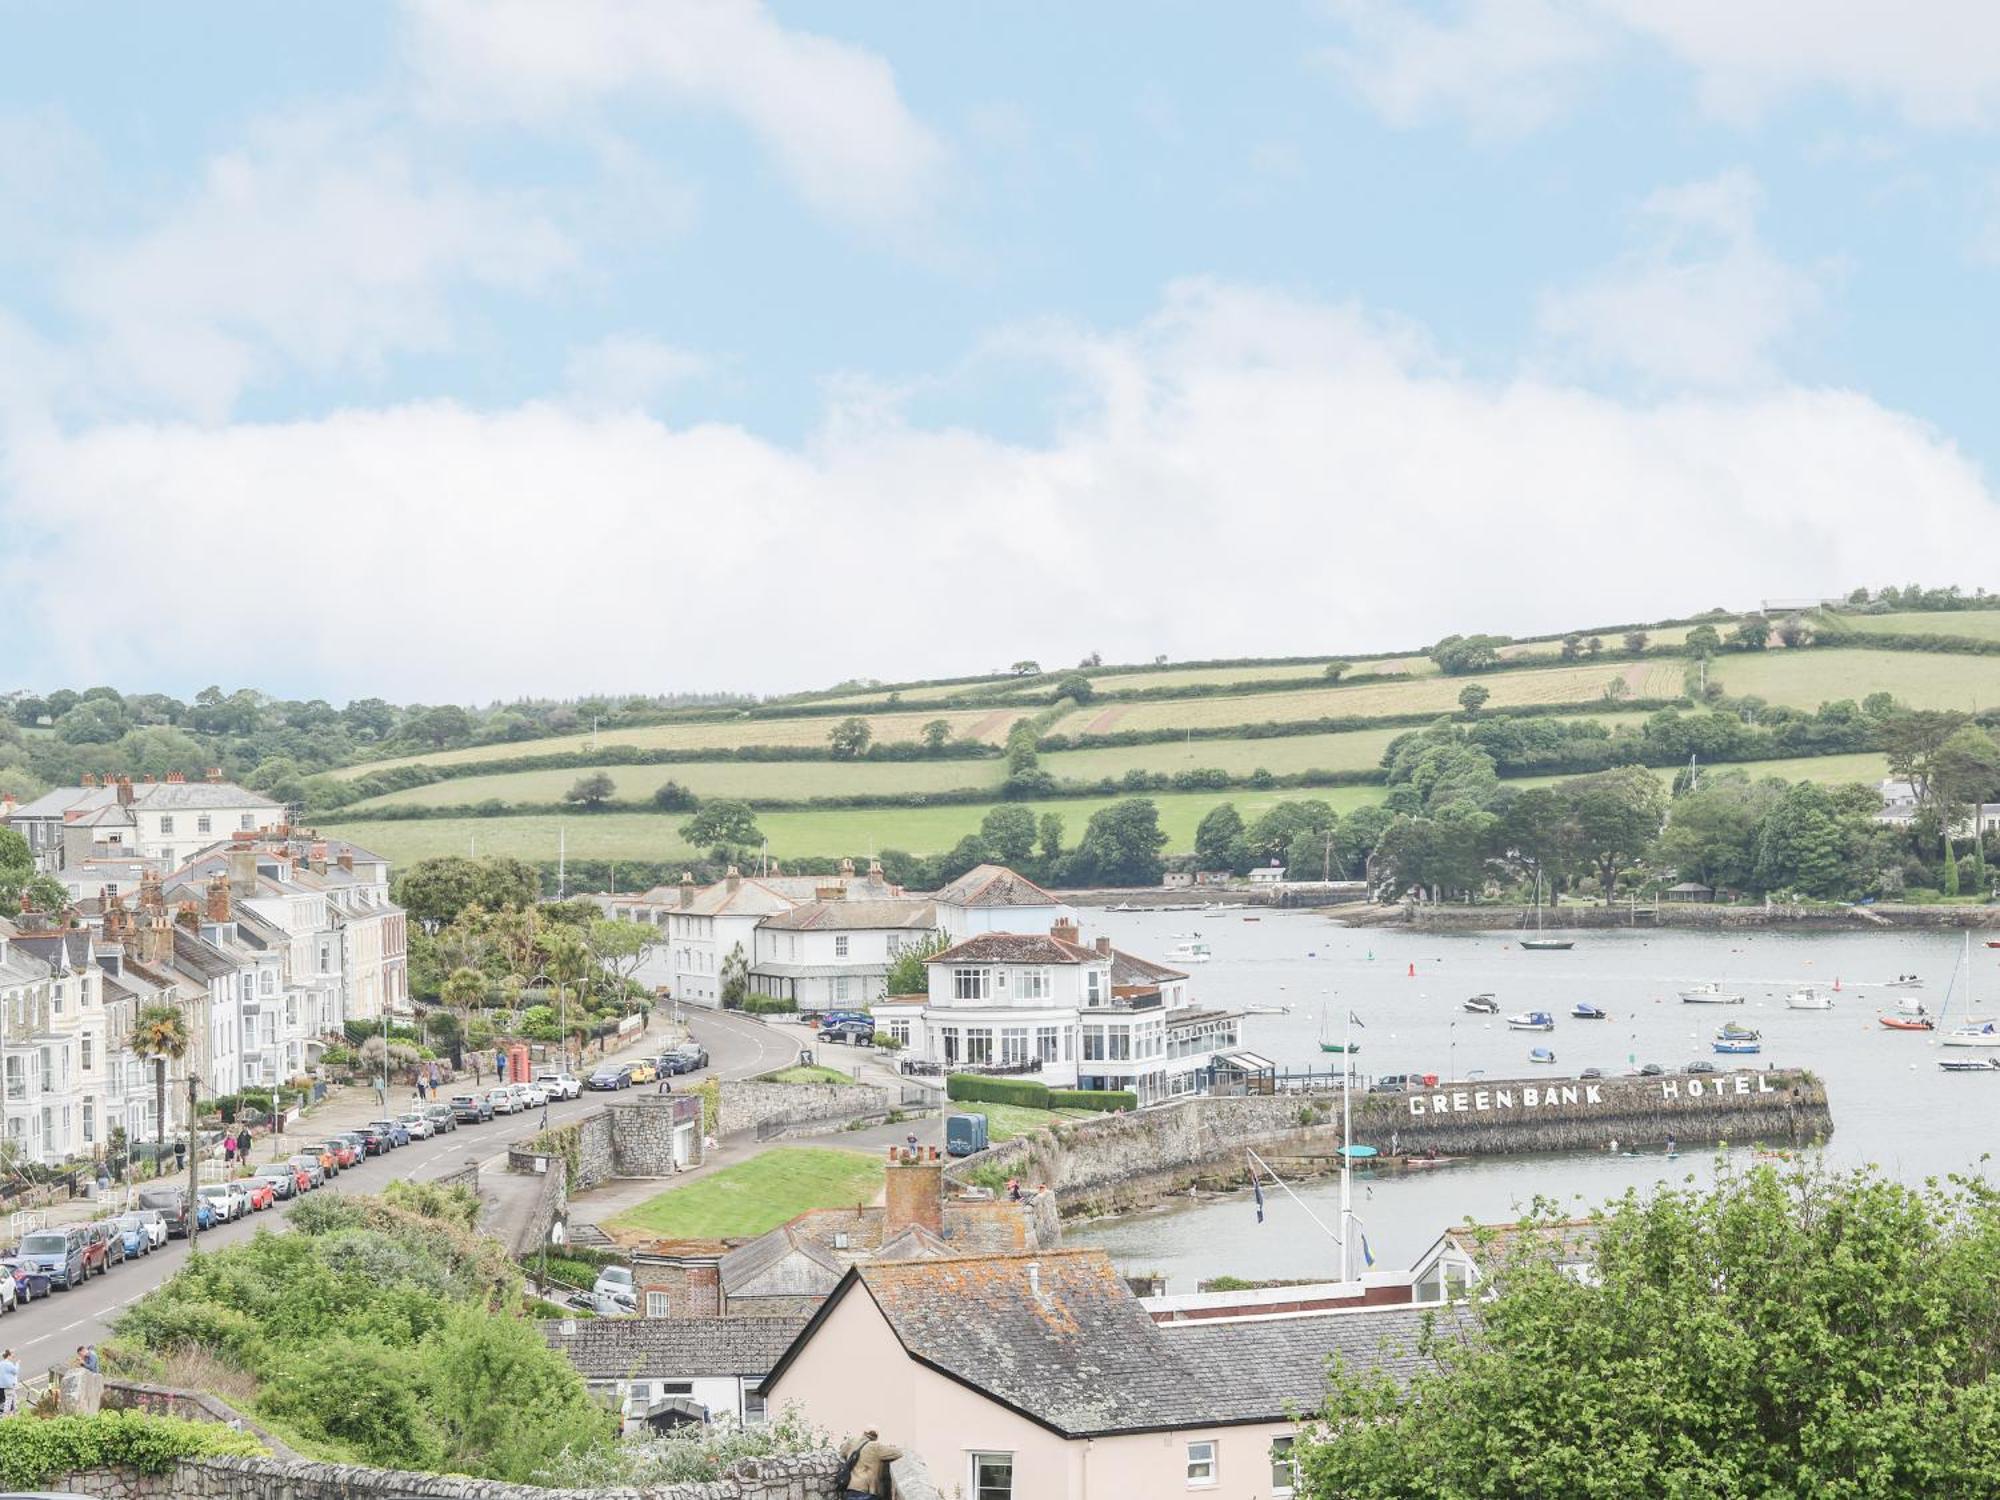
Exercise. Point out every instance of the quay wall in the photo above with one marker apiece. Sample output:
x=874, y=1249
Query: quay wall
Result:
x=1116, y=1163
x=1692, y=916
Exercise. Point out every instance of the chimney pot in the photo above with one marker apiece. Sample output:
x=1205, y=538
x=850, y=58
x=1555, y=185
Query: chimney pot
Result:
x=214, y=775
x=1104, y=946
x=733, y=878
x=1064, y=932
x=86, y=779
x=687, y=888
x=216, y=897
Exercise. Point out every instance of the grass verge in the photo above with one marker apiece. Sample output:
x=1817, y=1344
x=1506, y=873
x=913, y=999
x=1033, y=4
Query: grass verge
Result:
x=758, y=1195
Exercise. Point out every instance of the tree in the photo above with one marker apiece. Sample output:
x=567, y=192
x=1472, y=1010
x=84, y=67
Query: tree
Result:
x=1335, y=670
x=1075, y=687
x=735, y=977
x=1121, y=845
x=1026, y=668
x=1594, y=646
x=1458, y=654
x=1049, y=835
x=94, y=721
x=568, y=961
x=463, y=989
x=161, y=1033
x=937, y=733
x=1617, y=815
x=445, y=725
x=671, y=796
x=1712, y=832
x=1472, y=697
x=621, y=948
x=1752, y=633
x=908, y=974
x=1008, y=834
x=1636, y=641
x=1794, y=632
x=1703, y=642
x=434, y=891
x=1830, y=1335
x=850, y=737
x=1800, y=846
x=1914, y=743
x=1572, y=647
x=721, y=824
x=593, y=790
x=1218, y=840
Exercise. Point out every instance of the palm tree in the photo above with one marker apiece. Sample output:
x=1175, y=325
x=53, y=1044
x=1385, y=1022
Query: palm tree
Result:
x=568, y=961
x=161, y=1033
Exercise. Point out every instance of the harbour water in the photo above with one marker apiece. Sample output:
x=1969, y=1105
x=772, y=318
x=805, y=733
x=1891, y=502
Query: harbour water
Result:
x=1892, y=1106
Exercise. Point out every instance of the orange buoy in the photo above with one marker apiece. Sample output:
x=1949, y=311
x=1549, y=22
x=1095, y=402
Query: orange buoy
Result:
x=1413, y=972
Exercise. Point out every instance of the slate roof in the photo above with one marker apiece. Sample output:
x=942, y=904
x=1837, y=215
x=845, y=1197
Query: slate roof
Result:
x=1057, y=1336
x=198, y=958
x=993, y=885
x=1016, y=948
x=156, y=796
x=670, y=1348
x=835, y=916
x=1128, y=969
x=783, y=1263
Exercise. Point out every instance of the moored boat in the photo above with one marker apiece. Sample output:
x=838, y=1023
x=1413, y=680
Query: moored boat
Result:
x=1540, y=1055
x=1189, y=953
x=1738, y=1045
x=1711, y=993
x=1970, y=1064
x=1808, y=998
x=1908, y=1022
x=1534, y=1020
x=1583, y=1010
x=1482, y=1005
x=1736, y=1031
x=1904, y=982
x=1972, y=1034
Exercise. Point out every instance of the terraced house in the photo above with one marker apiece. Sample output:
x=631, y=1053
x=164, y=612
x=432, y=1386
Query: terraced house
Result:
x=164, y=822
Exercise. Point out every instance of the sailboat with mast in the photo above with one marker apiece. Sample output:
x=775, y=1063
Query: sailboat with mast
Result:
x=1540, y=943
x=1974, y=1030
x=1343, y=1043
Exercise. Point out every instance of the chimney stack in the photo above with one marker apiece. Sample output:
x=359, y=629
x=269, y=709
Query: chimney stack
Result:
x=124, y=791
x=150, y=897
x=1104, y=946
x=156, y=939
x=847, y=869
x=175, y=778
x=733, y=878
x=215, y=775
x=86, y=780
x=188, y=915
x=216, y=898
x=913, y=1193
x=346, y=860
x=316, y=858
x=1065, y=931
x=242, y=870
x=149, y=778
x=687, y=888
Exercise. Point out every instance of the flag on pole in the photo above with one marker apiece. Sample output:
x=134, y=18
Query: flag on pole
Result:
x=1354, y=1020
x=1367, y=1255
x=1257, y=1188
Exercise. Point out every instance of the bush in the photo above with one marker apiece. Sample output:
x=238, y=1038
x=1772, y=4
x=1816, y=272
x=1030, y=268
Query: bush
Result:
x=1104, y=1100
x=1026, y=1092
x=768, y=1005
x=34, y=1452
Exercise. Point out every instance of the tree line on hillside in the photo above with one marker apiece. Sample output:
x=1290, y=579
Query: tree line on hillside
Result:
x=1450, y=827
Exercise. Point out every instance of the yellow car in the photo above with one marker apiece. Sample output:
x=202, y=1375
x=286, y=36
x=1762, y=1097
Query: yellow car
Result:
x=642, y=1072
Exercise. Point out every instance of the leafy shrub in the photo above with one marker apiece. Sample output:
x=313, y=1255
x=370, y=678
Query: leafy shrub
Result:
x=1105, y=1100
x=1025, y=1092
x=34, y=1452
x=769, y=1005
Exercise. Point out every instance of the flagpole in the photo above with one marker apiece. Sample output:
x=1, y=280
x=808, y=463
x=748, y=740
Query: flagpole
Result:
x=1259, y=1161
x=1346, y=1139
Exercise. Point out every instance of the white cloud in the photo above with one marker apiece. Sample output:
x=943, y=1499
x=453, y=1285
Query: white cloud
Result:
x=629, y=371
x=320, y=243
x=828, y=111
x=1512, y=65
x=1704, y=302
x=1236, y=449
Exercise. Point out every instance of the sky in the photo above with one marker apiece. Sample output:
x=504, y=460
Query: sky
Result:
x=470, y=349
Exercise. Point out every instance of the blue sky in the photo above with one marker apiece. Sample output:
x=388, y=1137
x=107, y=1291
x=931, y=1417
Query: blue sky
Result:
x=456, y=350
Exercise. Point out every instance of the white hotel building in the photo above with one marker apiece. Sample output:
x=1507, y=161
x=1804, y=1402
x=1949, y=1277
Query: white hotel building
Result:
x=1070, y=1015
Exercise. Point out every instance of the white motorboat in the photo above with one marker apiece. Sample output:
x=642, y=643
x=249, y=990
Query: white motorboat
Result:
x=1189, y=953
x=1711, y=993
x=1534, y=1020
x=1974, y=1033
x=1970, y=1064
x=1808, y=998
x=1482, y=1005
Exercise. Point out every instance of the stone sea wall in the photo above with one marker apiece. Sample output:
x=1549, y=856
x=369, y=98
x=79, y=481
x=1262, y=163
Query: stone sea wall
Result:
x=1694, y=916
x=803, y=1478
x=749, y=1103
x=1116, y=1163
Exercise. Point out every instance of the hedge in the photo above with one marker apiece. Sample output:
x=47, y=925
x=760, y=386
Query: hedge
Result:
x=977, y=1087
x=768, y=1005
x=1105, y=1100
x=34, y=1451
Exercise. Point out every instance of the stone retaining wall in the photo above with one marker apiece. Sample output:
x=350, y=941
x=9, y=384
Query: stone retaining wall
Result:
x=1115, y=1163
x=632, y=1138
x=192, y=1406
x=466, y=1176
x=805, y=1478
x=749, y=1103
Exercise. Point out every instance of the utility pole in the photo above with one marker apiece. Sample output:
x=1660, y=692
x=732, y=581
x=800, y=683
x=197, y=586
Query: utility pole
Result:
x=194, y=1169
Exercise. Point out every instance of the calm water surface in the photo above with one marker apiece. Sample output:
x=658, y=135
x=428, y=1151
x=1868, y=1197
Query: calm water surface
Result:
x=1891, y=1104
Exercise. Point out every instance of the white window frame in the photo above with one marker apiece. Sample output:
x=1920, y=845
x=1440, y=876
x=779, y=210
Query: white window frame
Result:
x=971, y=984
x=973, y=1489
x=1033, y=984
x=840, y=946
x=1284, y=1466
x=1203, y=1472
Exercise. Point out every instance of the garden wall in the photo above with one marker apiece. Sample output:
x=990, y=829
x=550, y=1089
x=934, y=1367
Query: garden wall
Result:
x=802, y=1478
x=1116, y=1163
x=749, y=1103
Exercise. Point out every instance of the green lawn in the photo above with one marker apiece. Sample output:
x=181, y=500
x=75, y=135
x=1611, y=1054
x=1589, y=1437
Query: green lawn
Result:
x=1806, y=679
x=758, y=1195
x=1005, y=1121
x=795, y=779
x=813, y=1074
x=1981, y=624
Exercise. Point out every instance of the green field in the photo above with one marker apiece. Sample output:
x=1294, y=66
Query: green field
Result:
x=980, y=724
x=998, y=690
x=833, y=832
x=1867, y=767
x=1005, y=1121
x=1580, y=683
x=1806, y=679
x=798, y=779
x=1980, y=624
x=758, y=1195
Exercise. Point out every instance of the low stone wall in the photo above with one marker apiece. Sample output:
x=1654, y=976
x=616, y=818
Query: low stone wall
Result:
x=749, y=1103
x=909, y=1479
x=466, y=1176
x=191, y=1406
x=807, y=1478
x=1116, y=1163
x=632, y=1138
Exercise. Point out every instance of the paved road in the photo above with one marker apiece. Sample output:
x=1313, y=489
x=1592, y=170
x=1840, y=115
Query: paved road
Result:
x=46, y=1332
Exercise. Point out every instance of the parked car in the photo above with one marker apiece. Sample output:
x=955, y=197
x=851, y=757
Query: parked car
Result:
x=417, y=1123
x=112, y=1239
x=1591, y=1073
x=397, y=1133
x=1653, y=1070
x=227, y=1202
x=503, y=1101
x=642, y=1071
x=343, y=1151
x=29, y=1283
x=10, y=1294
x=854, y=1033
x=607, y=1078
x=441, y=1118
x=471, y=1109
x=842, y=1018
x=1390, y=1083
x=533, y=1095
x=59, y=1254
x=562, y=1083
x=615, y=1281
x=172, y=1205
x=156, y=1225
x=1701, y=1065
x=261, y=1196
x=308, y=1164
x=694, y=1055
x=283, y=1179
x=363, y=1150
x=132, y=1230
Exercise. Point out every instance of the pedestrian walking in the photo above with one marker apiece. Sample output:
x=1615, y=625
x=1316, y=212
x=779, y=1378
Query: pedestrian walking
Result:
x=864, y=1464
x=229, y=1153
x=10, y=1381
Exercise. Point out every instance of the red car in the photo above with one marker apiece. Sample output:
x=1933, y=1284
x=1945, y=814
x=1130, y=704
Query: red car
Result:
x=261, y=1196
x=342, y=1152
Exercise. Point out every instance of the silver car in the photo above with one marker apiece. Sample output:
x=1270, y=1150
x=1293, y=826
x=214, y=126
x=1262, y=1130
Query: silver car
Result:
x=418, y=1124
